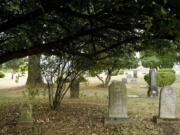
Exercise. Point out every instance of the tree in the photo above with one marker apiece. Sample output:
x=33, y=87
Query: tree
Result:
x=60, y=72
x=80, y=27
x=112, y=66
x=14, y=64
x=34, y=71
x=17, y=65
x=165, y=77
x=163, y=58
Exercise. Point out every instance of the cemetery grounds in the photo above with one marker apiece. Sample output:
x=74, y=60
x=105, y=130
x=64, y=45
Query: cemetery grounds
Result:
x=84, y=116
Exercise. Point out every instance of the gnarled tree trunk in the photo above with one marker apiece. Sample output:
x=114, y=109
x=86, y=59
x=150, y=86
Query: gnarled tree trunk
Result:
x=34, y=71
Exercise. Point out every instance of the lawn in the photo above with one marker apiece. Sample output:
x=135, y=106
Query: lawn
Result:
x=86, y=115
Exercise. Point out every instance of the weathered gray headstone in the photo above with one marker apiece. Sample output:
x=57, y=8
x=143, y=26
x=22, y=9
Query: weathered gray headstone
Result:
x=167, y=106
x=153, y=79
x=26, y=114
x=134, y=81
x=167, y=103
x=135, y=74
x=117, y=102
x=74, y=89
x=124, y=80
x=153, y=91
x=129, y=78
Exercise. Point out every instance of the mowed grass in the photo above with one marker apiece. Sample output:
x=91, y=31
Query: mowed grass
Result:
x=91, y=92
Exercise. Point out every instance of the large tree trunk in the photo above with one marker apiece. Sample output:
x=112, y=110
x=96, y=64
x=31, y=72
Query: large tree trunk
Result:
x=74, y=89
x=34, y=71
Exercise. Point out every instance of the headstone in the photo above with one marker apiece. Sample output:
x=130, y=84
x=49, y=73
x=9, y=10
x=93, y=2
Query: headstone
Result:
x=129, y=78
x=153, y=86
x=117, y=103
x=124, y=80
x=26, y=114
x=167, y=106
x=134, y=81
x=135, y=74
x=167, y=103
x=74, y=89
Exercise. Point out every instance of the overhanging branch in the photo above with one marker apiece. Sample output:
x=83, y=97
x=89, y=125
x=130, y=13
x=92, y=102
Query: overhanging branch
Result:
x=20, y=19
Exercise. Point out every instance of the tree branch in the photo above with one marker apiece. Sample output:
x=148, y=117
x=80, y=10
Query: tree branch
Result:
x=20, y=19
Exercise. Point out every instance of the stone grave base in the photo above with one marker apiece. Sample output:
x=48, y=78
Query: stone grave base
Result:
x=115, y=121
x=158, y=120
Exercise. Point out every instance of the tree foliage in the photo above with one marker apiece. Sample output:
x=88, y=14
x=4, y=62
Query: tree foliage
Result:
x=59, y=73
x=164, y=77
x=164, y=57
x=84, y=27
x=15, y=64
x=2, y=75
x=113, y=66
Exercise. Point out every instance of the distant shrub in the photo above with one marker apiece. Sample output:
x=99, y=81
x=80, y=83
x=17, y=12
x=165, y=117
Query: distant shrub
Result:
x=2, y=75
x=164, y=77
x=166, y=70
x=147, y=78
x=121, y=72
x=117, y=72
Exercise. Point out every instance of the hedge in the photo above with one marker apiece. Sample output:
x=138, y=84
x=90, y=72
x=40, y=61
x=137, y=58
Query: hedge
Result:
x=166, y=70
x=2, y=75
x=164, y=77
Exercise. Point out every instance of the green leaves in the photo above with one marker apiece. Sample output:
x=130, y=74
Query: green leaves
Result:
x=75, y=26
x=148, y=23
x=2, y=75
x=159, y=54
x=164, y=77
x=151, y=61
x=112, y=66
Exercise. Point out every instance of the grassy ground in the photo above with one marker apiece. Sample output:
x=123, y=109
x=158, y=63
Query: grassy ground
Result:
x=86, y=115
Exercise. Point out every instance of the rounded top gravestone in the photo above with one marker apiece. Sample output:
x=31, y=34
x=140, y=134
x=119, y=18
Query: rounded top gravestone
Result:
x=117, y=100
